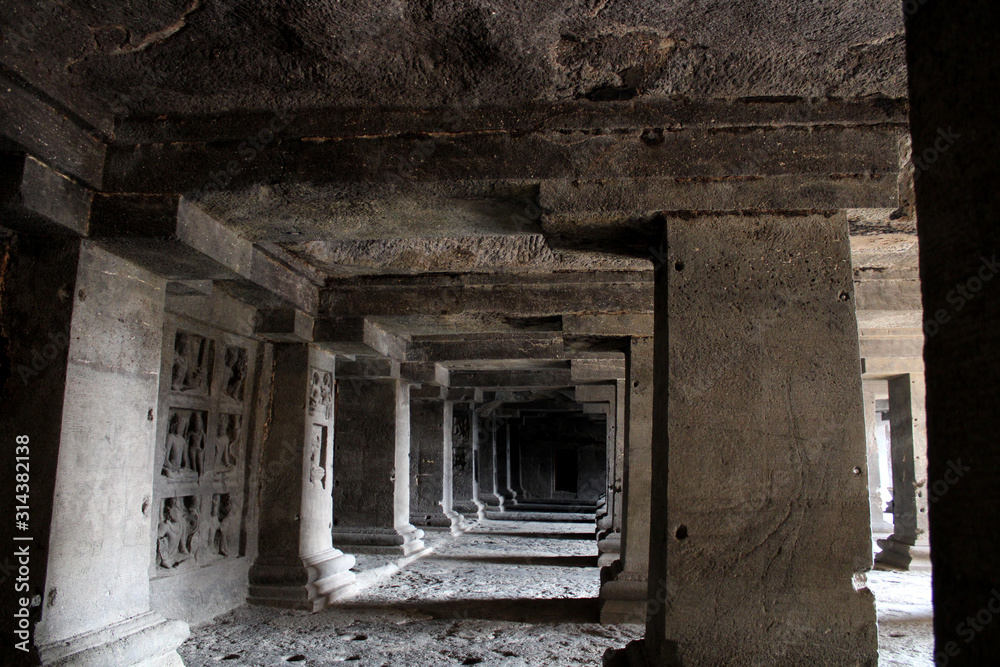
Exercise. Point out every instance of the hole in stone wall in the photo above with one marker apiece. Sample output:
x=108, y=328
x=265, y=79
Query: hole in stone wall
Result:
x=682, y=532
x=679, y=266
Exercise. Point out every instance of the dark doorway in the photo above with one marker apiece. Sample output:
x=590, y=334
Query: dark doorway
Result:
x=567, y=470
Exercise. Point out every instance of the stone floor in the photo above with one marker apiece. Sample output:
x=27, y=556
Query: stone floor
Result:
x=505, y=594
x=905, y=617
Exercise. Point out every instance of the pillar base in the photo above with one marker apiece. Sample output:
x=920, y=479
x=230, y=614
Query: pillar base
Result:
x=623, y=596
x=610, y=549
x=310, y=582
x=493, y=501
x=899, y=554
x=633, y=655
x=451, y=520
x=471, y=509
x=403, y=541
x=147, y=640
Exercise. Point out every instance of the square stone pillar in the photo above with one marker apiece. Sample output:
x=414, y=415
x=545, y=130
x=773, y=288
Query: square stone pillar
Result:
x=875, y=500
x=431, y=494
x=465, y=480
x=514, y=454
x=624, y=583
x=84, y=330
x=487, y=441
x=909, y=545
x=760, y=535
x=297, y=565
x=610, y=539
x=372, y=468
x=503, y=463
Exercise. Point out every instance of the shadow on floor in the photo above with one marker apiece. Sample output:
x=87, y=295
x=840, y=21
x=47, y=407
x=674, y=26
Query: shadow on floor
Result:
x=560, y=610
x=552, y=561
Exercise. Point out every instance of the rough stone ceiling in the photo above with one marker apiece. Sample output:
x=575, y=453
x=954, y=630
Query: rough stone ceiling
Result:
x=216, y=56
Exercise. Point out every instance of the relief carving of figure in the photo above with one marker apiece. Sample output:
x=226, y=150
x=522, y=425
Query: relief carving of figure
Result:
x=177, y=461
x=192, y=360
x=326, y=394
x=192, y=519
x=234, y=373
x=315, y=393
x=196, y=443
x=221, y=526
x=317, y=473
x=182, y=350
x=227, y=443
x=170, y=535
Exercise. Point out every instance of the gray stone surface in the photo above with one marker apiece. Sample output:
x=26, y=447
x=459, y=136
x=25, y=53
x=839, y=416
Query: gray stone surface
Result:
x=371, y=497
x=96, y=601
x=762, y=383
x=624, y=584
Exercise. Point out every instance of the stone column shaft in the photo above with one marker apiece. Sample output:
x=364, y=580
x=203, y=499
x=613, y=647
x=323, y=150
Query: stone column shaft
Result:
x=624, y=583
x=465, y=484
x=487, y=442
x=297, y=565
x=876, y=501
x=760, y=534
x=85, y=330
x=431, y=493
x=909, y=545
x=372, y=468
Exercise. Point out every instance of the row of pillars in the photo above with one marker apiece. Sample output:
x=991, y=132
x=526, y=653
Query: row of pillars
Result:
x=744, y=518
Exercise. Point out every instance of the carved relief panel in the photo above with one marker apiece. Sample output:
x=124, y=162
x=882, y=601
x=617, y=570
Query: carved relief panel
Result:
x=206, y=386
x=321, y=396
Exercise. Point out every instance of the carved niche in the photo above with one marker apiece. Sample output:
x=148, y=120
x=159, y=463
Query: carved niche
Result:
x=234, y=372
x=321, y=393
x=206, y=387
x=194, y=357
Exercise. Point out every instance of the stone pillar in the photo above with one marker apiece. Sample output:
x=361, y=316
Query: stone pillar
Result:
x=760, y=536
x=953, y=102
x=84, y=331
x=465, y=483
x=431, y=484
x=503, y=463
x=514, y=450
x=372, y=467
x=624, y=583
x=609, y=544
x=909, y=545
x=875, y=500
x=297, y=565
x=487, y=442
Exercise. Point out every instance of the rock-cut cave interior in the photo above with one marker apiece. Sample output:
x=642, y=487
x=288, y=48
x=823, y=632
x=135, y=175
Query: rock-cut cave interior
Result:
x=412, y=333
